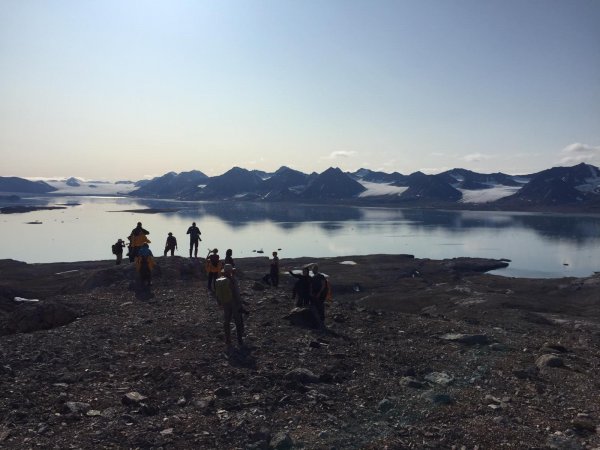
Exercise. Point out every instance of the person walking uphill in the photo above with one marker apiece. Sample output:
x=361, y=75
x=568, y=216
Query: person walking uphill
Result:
x=171, y=244
x=144, y=264
x=137, y=239
x=228, y=297
x=213, y=268
x=194, y=233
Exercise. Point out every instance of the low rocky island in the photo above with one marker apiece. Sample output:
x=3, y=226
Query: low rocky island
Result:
x=418, y=354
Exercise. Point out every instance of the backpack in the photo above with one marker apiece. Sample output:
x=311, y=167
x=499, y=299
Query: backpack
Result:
x=115, y=249
x=223, y=291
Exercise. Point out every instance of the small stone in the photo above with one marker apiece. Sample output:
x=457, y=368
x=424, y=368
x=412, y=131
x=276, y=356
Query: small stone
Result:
x=133, y=398
x=497, y=347
x=553, y=348
x=438, y=399
x=441, y=378
x=410, y=382
x=282, y=441
x=549, y=360
x=93, y=413
x=385, y=405
x=584, y=424
x=468, y=339
x=557, y=441
x=302, y=375
x=76, y=407
x=222, y=392
x=167, y=431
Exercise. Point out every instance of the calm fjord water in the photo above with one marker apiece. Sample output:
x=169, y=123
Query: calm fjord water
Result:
x=539, y=245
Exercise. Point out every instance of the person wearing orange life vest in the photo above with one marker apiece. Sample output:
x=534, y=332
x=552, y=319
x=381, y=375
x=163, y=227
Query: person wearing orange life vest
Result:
x=213, y=268
x=137, y=239
x=144, y=264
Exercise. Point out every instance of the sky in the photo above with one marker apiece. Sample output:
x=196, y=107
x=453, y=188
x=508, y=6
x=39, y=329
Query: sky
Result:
x=121, y=89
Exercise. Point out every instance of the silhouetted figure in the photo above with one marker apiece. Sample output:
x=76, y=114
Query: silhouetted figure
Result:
x=318, y=292
x=194, y=233
x=229, y=258
x=171, y=244
x=137, y=238
x=228, y=297
x=301, y=290
x=274, y=270
x=117, y=250
x=213, y=267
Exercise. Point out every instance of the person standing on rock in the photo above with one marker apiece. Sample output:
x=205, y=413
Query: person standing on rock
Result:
x=137, y=239
x=318, y=292
x=171, y=244
x=194, y=233
x=228, y=296
x=274, y=270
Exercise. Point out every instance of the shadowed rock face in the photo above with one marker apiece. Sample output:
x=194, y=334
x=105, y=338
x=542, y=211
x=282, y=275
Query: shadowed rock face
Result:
x=30, y=317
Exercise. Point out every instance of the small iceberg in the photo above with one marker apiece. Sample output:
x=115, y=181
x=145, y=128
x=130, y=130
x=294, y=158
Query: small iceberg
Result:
x=25, y=300
x=348, y=263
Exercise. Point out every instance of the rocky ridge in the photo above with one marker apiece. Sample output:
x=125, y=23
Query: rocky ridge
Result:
x=418, y=354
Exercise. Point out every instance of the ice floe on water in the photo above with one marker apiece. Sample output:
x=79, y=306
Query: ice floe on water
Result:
x=348, y=263
x=25, y=300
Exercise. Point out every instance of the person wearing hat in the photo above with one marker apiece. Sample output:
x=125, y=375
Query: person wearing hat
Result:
x=117, y=250
x=137, y=239
x=228, y=297
x=213, y=268
x=171, y=244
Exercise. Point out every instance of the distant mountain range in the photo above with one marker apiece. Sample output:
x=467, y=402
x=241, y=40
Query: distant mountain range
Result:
x=569, y=188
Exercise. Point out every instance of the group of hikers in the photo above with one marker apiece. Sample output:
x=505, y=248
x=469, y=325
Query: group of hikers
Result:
x=309, y=291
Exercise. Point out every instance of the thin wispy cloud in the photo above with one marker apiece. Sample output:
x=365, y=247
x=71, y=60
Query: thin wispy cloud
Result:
x=476, y=157
x=577, y=153
x=342, y=154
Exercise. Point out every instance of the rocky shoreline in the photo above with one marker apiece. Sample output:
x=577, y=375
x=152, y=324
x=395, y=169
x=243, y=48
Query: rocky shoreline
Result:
x=418, y=354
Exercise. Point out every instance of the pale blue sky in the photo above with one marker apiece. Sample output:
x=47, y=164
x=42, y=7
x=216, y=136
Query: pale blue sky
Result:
x=126, y=89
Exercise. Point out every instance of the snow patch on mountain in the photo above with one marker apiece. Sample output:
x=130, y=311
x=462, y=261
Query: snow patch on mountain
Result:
x=487, y=195
x=379, y=189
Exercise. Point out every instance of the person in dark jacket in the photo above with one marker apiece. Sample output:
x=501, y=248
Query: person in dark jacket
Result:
x=318, y=292
x=117, y=249
x=171, y=244
x=194, y=233
x=301, y=290
x=274, y=270
x=229, y=258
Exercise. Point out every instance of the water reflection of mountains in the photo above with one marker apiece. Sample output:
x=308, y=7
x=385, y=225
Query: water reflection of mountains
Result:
x=578, y=229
